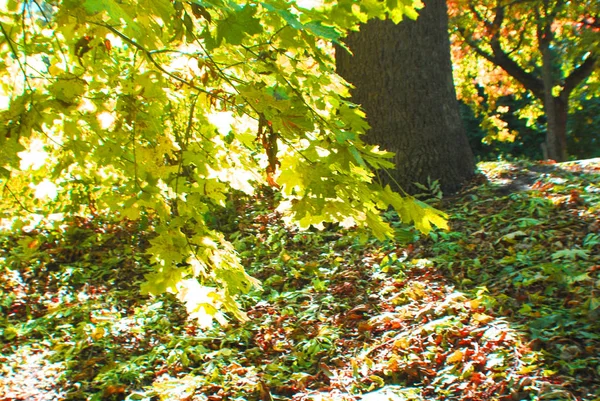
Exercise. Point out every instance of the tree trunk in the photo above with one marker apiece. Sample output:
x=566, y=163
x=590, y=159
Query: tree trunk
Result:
x=403, y=79
x=557, y=134
x=555, y=108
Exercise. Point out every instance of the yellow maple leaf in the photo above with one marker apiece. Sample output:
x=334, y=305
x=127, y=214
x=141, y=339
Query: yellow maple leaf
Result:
x=456, y=356
x=482, y=318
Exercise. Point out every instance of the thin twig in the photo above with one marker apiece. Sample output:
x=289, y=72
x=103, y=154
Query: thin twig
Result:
x=7, y=188
x=16, y=54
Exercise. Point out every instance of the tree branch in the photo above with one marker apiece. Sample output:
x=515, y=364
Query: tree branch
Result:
x=7, y=188
x=499, y=57
x=475, y=45
x=579, y=74
x=497, y=23
x=504, y=61
x=528, y=80
x=9, y=41
x=520, y=42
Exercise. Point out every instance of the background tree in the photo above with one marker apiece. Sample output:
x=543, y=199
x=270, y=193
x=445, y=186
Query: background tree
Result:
x=403, y=79
x=515, y=135
x=548, y=48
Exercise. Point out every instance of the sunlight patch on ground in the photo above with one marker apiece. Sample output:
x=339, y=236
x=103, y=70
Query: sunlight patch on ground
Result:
x=27, y=374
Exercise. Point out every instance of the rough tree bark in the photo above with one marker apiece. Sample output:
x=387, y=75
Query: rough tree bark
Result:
x=403, y=79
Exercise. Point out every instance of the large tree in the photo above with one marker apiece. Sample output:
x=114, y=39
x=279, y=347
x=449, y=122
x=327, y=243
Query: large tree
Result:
x=545, y=47
x=403, y=79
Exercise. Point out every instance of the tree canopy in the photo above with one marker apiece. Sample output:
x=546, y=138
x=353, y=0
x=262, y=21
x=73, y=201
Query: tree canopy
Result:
x=158, y=111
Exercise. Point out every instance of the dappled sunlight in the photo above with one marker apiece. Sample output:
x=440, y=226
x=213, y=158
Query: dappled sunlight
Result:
x=192, y=208
x=504, y=303
x=46, y=189
x=35, y=156
x=106, y=120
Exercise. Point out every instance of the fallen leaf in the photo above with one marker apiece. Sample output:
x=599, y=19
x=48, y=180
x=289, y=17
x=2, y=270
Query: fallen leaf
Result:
x=455, y=357
x=482, y=318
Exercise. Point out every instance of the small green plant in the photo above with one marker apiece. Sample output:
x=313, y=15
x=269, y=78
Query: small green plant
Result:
x=432, y=190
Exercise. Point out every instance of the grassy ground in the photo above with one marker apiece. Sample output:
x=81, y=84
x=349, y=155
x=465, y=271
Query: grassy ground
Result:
x=506, y=306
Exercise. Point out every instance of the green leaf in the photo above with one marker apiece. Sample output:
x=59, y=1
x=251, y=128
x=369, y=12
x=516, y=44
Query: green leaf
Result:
x=238, y=25
x=412, y=210
x=323, y=31
x=287, y=16
x=162, y=281
x=68, y=90
x=202, y=302
x=114, y=11
x=343, y=136
x=356, y=154
x=373, y=8
x=571, y=254
x=380, y=229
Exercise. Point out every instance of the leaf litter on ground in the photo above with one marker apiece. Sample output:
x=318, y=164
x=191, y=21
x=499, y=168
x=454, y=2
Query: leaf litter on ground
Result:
x=505, y=306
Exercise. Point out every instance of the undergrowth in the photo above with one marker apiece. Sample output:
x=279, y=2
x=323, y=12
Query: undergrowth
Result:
x=505, y=306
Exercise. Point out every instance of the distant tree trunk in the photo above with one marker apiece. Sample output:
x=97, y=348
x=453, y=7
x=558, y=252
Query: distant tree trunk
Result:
x=557, y=112
x=403, y=79
x=555, y=108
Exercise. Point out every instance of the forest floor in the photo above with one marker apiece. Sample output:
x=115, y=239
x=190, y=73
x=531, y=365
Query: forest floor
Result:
x=504, y=306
